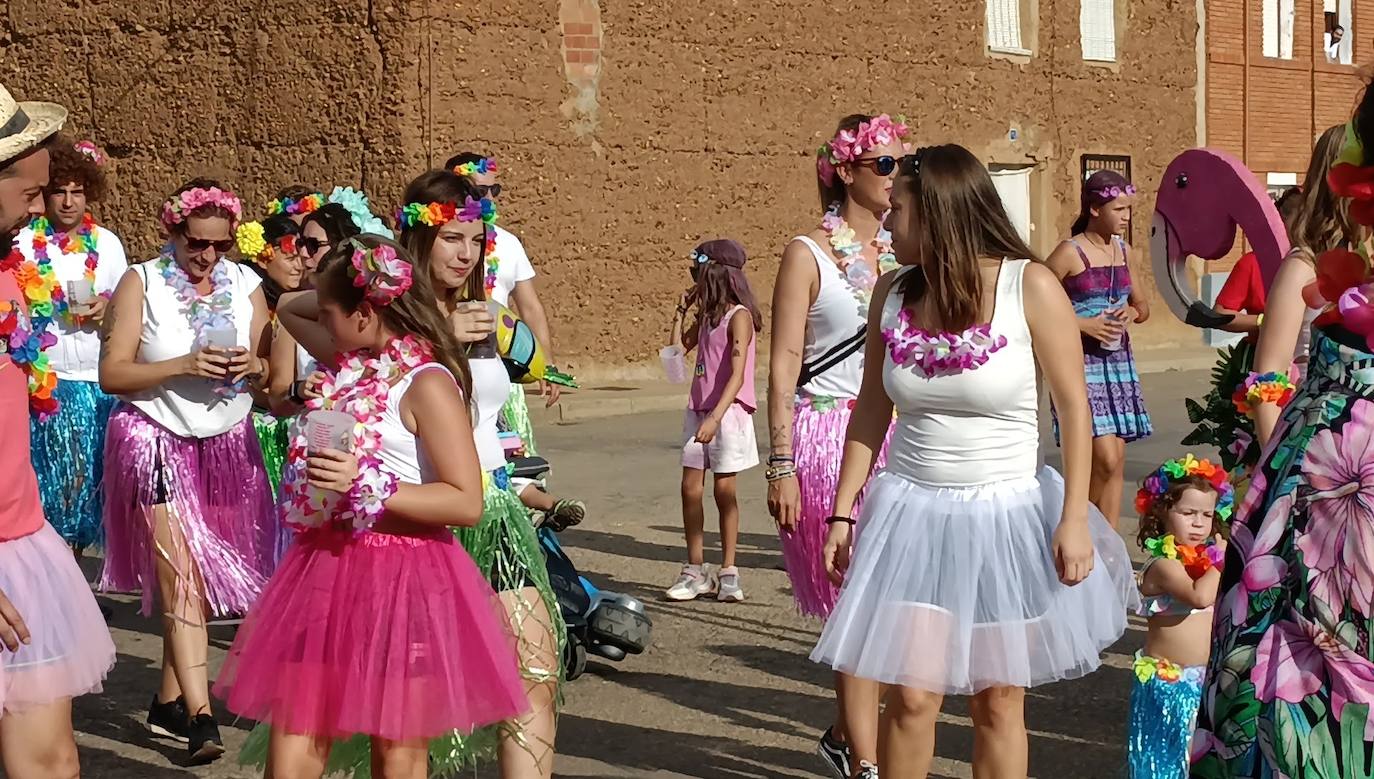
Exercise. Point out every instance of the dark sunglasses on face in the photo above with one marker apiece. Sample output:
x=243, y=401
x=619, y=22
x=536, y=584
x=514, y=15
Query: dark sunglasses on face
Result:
x=201, y=244
x=312, y=246
x=883, y=165
x=489, y=190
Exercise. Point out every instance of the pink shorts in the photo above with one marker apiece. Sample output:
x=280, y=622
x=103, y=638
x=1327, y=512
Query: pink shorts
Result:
x=734, y=449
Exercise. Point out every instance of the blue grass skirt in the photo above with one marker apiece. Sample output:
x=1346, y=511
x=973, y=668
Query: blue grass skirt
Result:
x=69, y=456
x=1164, y=704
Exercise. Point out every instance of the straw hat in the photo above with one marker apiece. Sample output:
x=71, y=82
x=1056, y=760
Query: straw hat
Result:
x=25, y=125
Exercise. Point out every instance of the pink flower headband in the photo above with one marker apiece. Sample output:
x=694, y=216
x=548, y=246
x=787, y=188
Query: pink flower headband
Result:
x=1108, y=194
x=90, y=151
x=180, y=205
x=384, y=274
x=849, y=145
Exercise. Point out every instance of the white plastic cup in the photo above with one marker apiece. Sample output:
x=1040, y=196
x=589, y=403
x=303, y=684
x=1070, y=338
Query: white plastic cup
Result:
x=1115, y=344
x=329, y=430
x=80, y=295
x=222, y=338
x=674, y=364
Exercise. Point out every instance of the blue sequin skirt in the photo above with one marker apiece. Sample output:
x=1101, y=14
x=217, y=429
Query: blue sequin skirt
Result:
x=69, y=456
x=1164, y=706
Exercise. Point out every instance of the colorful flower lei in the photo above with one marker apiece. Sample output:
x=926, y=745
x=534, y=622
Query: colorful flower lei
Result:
x=482, y=166
x=361, y=388
x=90, y=151
x=213, y=311
x=1157, y=484
x=849, y=145
x=940, y=354
x=175, y=210
x=82, y=240
x=26, y=341
x=857, y=272
x=1197, y=560
x=293, y=206
x=381, y=272
x=252, y=243
x=1261, y=388
x=1146, y=668
x=31, y=335
x=1343, y=286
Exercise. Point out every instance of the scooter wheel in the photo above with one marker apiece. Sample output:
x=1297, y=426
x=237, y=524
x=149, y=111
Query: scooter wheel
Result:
x=618, y=626
x=575, y=660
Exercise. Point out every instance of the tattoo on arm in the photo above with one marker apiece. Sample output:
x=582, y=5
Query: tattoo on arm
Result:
x=107, y=330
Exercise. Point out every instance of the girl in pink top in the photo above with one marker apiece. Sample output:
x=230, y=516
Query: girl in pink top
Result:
x=719, y=424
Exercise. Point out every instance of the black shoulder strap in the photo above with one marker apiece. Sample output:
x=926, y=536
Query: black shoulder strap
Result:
x=832, y=357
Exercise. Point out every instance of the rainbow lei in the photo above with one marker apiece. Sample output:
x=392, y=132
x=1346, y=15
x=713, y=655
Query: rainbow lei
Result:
x=1197, y=560
x=1261, y=388
x=30, y=335
x=1157, y=484
x=849, y=145
x=204, y=313
x=940, y=354
x=291, y=206
x=78, y=241
x=361, y=388
x=482, y=166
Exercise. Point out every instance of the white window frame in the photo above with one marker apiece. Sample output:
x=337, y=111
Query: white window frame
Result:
x=1343, y=10
x=1278, y=29
x=1005, y=27
x=1097, y=30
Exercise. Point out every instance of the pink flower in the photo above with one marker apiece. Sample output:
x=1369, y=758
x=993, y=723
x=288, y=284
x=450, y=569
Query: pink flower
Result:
x=1297, y=658
x=1263, y=570
x=1338, y=543
x=1240, y=443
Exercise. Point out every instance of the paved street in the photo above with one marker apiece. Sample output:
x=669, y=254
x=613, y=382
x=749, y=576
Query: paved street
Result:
x=726, y=691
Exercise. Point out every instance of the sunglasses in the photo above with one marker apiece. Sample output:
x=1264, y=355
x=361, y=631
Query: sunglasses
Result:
x=201, y=244
x=312, y=246
x=883, y=165
x=489, y=190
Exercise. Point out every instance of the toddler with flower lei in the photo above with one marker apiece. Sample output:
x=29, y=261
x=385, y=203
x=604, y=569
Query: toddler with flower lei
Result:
x=383, y=624
x=1183, y=506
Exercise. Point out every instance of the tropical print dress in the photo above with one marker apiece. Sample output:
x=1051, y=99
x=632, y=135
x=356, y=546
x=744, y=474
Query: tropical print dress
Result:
x=1290, y=681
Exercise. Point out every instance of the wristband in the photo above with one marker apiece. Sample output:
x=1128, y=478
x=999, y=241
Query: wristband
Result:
x=1259, y=321
x=1261, y=388
x=833, y=520
x=295, y=396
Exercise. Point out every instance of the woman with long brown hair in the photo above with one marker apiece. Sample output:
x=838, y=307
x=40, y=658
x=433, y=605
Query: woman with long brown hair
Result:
x=977, y=570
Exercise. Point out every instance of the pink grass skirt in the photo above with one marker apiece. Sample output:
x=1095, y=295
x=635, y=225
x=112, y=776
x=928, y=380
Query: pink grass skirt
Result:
x=218, y=494
x=70, y=650
x=382, y=635
x=818, y=446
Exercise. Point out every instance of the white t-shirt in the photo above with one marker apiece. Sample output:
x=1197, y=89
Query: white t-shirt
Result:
x=513, y=266
x=76, y=355
x=490, y=388
x=188, y=405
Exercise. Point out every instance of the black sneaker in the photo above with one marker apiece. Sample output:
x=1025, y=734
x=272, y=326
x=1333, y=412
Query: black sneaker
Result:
x=204, y=744
x=168, y=720
x=835, y=753
x=566, y=514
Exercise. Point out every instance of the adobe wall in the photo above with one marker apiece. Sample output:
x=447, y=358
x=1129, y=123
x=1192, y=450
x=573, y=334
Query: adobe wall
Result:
x=627, y=131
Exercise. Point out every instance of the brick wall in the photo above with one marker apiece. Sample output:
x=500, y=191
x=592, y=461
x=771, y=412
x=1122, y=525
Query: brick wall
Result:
x=627, y=129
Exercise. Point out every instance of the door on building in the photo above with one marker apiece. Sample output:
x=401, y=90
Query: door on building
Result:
x=1013, y=183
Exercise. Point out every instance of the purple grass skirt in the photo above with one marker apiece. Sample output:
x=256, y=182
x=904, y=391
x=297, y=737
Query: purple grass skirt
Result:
x=220, y=500
x=69, y=651
x=818, y=430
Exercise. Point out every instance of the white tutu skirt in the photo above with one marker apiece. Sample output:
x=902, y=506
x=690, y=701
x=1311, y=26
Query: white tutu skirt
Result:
x=954, y=590
x=70, y=649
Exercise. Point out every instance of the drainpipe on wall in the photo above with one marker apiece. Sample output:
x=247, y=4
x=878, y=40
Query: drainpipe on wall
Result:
x=1201, y=90
x=1245, y=85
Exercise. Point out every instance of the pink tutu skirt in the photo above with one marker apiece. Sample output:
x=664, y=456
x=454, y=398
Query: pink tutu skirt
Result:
x=382, y=635
x=219, y=498
x=70, y=650
x=818, y=430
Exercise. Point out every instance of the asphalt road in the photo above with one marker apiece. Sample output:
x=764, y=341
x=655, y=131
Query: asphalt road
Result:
x=725, y=691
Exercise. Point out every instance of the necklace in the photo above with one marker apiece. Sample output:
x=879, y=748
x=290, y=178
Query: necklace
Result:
x=493, y=262
x=1196, y=560
x=29, y=334
x=940, y=354
x=205, y=313
x=78, y=241
x=360, y=388
x=851, y=262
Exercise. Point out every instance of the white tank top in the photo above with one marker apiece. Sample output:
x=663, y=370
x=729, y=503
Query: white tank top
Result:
x=976, y=427
x=835, y=317
x=187, y=405
x=399, y=452
x=490, y=389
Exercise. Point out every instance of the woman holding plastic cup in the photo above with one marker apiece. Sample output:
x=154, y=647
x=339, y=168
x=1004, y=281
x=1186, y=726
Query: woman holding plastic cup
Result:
x=1094, y=267
x=88, y=260
x=189, y=516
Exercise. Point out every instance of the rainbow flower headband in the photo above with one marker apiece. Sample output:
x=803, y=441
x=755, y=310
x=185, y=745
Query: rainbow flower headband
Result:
x=381, y=271
x=482, y=166
x=849, y=145
x=439, y=214
x=1157, y=484
x=295, y=206
x=178, y=206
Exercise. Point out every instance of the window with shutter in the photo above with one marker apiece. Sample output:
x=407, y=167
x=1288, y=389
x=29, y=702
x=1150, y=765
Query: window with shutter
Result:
x=1097, y=29
x=1278, y=29
x=1004, y=25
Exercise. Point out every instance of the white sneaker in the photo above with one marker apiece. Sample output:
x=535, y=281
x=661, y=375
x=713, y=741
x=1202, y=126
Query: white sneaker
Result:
x=690, y=584
x=867, y=770
x=730, y=591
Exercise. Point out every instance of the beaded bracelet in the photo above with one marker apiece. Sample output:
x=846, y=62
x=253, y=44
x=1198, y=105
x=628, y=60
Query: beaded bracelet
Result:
x=833, y=520
x=1260, y=388
x=779, y=472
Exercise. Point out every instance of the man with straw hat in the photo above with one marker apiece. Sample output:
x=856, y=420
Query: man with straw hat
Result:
x=53, y=642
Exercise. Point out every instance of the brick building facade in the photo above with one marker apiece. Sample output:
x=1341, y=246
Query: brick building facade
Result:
x=627, y=129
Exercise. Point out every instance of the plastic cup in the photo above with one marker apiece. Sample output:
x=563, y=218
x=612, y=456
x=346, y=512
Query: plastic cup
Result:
x=80, y=295
x=674, y=364
x=222, y=338
x=329, y=430
x=1115, y=344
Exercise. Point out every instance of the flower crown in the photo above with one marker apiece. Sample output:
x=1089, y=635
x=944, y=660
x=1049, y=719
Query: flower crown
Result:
x=439, y=214
x=358, y=207
x=293, y=206
x=381, y=271
x=482, y=166
x=849, y=145
x=1157, y=484
x=252, y=243
x=180, y=205
x=90, y=151
x=1108, y=194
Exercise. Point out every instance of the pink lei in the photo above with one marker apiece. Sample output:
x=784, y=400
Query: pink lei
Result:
x=940, y=354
